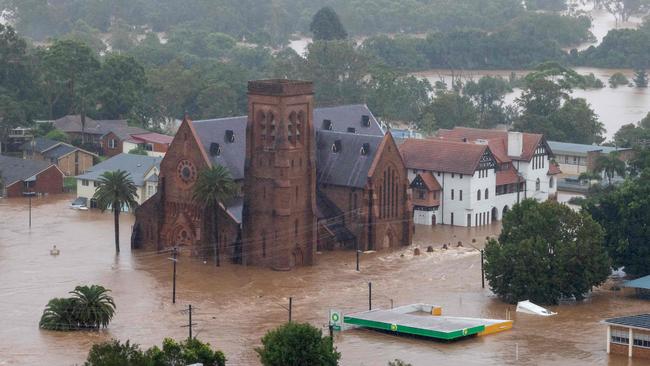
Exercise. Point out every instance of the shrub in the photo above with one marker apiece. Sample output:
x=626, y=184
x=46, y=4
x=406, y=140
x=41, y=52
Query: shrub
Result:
x=296, y=344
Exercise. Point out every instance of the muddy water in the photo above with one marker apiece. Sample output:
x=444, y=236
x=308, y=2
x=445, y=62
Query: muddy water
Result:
x=236, y=305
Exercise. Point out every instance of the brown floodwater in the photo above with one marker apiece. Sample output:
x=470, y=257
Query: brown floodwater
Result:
x=236, y=305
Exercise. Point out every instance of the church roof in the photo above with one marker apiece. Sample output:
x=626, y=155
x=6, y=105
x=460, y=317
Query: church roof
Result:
x=344, y=159
x=214, y=134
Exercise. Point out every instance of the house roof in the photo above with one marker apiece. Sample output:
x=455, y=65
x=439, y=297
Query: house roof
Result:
x=59, y=151
x=153, y=137
x=72, y=123
x=581, y=149
x=345, y=165
x=137, y=166
x=634, y=321
x=430, y=181
x=497, y=140
x=508, y=176
x=554, y=168
x=124, y=132
x=643, y=282
x=442, y=155
x=233, y=154
x=15, y=169
x=40, y=144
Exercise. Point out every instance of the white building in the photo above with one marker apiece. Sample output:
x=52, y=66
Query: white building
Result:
x=470, y=177
x=142, y=169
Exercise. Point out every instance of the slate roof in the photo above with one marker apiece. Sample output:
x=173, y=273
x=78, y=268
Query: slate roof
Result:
x=15, y=169
x=643, y=282
x=347, y=167
x=635, y=321
x=72, y=123
x=40, y=144
x=124, y=132
x=497, y=140
x=136, y=165
x=233, y=154
x=59, y=151
x=440, y=155
x=581, y=149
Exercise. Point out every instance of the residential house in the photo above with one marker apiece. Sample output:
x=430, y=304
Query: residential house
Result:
x=309, y=178
x=155, y=144
x=71, y=160
x=575, y=159
x=629, y=335
x=142, y=169
x=18, y=176
x=477, y=174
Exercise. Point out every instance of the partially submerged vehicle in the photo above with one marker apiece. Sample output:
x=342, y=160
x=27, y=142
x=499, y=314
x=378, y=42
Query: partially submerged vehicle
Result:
x=528, y=307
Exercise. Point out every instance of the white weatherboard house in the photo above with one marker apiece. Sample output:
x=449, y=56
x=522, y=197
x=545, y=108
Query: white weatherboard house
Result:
x=142, y=169
x=470, y=177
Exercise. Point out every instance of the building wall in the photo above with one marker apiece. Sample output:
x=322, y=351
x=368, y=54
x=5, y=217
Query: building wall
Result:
x=159, y=150
x=623, y=349
x=481, y=210
x=49, y=181
x=531, y=175
x=75, y=163
x=107, y=150
x=88, y=190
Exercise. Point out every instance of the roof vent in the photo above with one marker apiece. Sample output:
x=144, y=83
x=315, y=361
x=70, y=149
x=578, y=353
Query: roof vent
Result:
x=352, y=130
x=365, y=148
x=365, y=120
x=336, y=146
x=215, y=149
x=230, y=136
x=327, y=124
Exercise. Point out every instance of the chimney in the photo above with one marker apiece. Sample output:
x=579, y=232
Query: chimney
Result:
x=515, y=143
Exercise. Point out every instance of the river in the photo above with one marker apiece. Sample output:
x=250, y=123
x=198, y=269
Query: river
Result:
x=236, y=305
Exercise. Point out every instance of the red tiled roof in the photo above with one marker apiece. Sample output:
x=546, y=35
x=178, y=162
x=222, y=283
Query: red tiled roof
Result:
x=508, y=176
x=430, y=181
x=554, y=168
x=497, y=140
x=441, y=155
x=153, y=137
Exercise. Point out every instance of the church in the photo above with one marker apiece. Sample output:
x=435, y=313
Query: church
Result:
x=309, y=179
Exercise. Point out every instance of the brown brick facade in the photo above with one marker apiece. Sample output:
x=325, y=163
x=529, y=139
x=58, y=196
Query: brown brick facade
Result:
x=280, y=175
x=622, y=349
x=49, y=181
x=111, y=144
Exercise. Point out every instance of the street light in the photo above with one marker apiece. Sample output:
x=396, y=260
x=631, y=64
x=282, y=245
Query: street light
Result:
x=30, y=195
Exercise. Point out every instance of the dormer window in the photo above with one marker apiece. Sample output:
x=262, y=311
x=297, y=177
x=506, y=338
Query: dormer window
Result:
x=365, y=148
x=365, y=120
x=230, y=136
x=352, y=130
x=336, y=146
x=327, y=124
x=215, y=149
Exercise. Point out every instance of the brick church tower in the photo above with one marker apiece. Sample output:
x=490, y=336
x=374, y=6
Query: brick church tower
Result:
x=279, y=221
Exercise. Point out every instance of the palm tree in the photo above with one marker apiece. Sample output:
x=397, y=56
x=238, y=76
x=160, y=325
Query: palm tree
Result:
x=116, y=190
x=611, y=165
x=213, y=186
x=93, y=306
x=59, y=315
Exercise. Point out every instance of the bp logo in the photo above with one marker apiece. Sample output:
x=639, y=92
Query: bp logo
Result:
x=335, y=317
x=393, y=327
x=465, y=331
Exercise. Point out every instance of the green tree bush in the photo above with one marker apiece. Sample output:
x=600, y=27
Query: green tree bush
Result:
x=296, y=344
x=546, y=252
x=326, y=26
x=90, y=307
x=641, y=78
x=617, y=79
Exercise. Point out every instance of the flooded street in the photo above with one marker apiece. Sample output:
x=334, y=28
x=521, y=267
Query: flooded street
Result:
x=236, y=305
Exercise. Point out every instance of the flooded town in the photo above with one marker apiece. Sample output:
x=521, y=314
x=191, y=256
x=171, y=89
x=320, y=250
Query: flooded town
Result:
x=404, y=184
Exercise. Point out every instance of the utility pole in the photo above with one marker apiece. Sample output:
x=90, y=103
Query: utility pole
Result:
x=369, y=295
x=175, y=260
x=189, y=323
x=290, y=306
x=482, y=271
x=30, y=195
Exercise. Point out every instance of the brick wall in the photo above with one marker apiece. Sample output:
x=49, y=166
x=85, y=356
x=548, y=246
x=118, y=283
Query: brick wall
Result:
x=106, y=144
x=49, y=181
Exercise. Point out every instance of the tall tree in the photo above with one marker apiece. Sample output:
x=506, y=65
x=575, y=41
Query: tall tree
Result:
x=326, y=26
x=93, y=306
x=545, y=252
x=488, y=95
x=623, y=213
x=449, y=109
x=610, y=165
x=119, y=87
x=116, y=191
x=641, y=78
x=213, y=187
